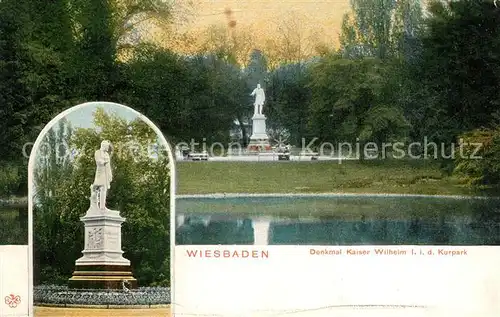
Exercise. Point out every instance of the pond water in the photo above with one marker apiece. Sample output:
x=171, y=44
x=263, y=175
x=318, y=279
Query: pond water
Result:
x=13, y=225
x=338, y=220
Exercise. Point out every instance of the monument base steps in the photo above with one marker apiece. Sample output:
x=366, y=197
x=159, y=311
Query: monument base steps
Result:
x=102, y=277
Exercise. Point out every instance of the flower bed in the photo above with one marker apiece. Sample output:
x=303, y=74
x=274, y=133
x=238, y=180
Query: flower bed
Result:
x=62, y=295
x=259, y=148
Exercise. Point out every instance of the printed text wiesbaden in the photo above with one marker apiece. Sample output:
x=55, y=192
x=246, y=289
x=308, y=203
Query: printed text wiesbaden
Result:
x=244, y=254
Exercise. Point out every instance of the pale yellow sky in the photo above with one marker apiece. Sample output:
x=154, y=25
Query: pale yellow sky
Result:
x=267, y=12
x=259, y=23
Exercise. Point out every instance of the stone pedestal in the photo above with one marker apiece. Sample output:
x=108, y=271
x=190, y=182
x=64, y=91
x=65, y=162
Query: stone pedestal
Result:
x=259, y=141
x=102, y=265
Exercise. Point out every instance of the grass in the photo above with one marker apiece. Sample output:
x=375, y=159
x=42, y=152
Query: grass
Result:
x=388, y=176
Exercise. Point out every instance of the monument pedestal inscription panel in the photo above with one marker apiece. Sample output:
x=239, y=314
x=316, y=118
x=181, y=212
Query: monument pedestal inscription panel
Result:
x=102, y=264
x=259, y=141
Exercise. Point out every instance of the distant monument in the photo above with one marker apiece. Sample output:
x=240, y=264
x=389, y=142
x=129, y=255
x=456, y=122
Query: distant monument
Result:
x=102, y=264
x=260, y=97
x=259, y=141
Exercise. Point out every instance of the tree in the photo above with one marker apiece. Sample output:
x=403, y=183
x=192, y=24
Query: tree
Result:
x=133, y=17
x=57, y=54
x=381, y=28
x=14, y=93
x=34, y=43
x=256, y=70
x=190, y=98
x=227, y=44
x=372, y=21
x=228, y=97
x=288, y=100
x=95, y=52
x=25, y=64
x=407, y=29
x=351, y=102
x=294, y=42
x=55, y=230
x=458, y=71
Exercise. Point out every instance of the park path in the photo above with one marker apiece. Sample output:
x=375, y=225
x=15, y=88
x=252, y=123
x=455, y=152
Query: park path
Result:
x=88, y=312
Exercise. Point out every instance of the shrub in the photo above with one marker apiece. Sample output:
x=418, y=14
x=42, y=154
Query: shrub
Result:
x=479, y=166
x=10, y=177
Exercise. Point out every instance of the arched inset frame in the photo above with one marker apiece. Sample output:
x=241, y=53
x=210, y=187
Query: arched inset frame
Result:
x=32, y=165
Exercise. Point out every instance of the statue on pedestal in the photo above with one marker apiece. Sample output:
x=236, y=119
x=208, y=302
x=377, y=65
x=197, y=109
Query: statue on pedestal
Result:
x=103, y=176
x=259, y=140
x=102, y=253
x=260, y=97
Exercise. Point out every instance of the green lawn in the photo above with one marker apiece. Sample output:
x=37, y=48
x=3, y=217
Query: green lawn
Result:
x=387, y=176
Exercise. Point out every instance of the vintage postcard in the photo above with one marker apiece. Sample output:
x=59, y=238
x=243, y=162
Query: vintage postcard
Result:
x=357, y=174
x=326, y=157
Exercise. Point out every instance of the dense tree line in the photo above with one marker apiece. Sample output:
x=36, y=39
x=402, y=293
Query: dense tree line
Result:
x=403, y=72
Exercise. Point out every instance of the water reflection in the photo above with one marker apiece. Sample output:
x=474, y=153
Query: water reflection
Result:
x=461, y=222
x=13, y=226
x=205, y=230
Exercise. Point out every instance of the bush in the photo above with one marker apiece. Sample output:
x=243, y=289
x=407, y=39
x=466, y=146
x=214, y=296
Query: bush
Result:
x=10, y=178
x=479, y=162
